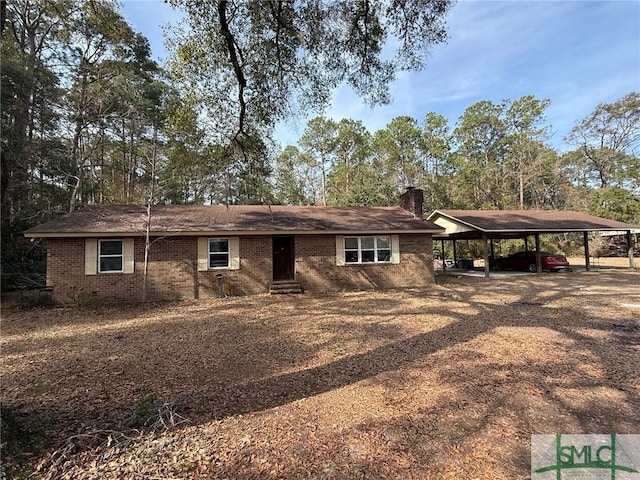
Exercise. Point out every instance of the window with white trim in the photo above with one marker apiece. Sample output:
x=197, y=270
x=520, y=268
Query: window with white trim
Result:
x=110, y=256
x=218, y=253
x=367, y=249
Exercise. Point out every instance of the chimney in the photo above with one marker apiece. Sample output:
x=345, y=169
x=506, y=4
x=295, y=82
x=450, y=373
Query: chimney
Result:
x=411, y=200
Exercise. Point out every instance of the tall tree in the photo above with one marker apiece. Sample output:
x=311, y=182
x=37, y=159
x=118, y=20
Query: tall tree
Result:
x=273, y=54
x=98, y=35
x=82, y=112
x=187, y=171
x=502, y=157
x=137, y=98
x=400, y=144
x=32, y=149
x=319, y=142
x=608, y=144
x=294, y=178
x=252, y=63
x=437, y=163
x=525, y=118
x=482, y=140
x=616, y=203
x=351, y=180
x=30, y=92
x=546, y=184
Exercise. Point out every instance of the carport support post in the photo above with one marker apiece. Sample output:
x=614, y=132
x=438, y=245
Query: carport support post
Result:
x=444, y=265
x=485, y=251
x=587, y=264
x=455, y=254
x=538, y=258
x=630, y=246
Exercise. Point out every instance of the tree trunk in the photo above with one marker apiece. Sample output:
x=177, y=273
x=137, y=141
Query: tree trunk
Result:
x=147, y=246
x=150, y=202
x=521, y=189
x=324, y=184
x=78, y=151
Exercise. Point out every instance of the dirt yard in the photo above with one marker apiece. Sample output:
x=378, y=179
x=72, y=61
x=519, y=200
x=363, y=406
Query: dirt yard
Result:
x=445, y=383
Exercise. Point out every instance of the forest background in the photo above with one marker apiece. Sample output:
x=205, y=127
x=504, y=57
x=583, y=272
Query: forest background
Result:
x=89, y=117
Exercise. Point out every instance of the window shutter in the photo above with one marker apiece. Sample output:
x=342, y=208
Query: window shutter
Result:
x=128, y=250
x=395, y=249
x=203, y=254
x=234, y=253
x=339, y=250
x=90, y=256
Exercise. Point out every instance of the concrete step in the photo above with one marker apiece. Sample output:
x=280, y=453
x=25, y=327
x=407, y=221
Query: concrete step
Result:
x=284, y=287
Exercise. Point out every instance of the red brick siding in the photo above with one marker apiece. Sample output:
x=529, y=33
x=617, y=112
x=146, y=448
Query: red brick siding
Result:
x=317, y=270
x=172, y=272
x=255, y=273
x=172, y=266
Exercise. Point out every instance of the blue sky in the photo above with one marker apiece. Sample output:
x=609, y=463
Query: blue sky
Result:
x=576, y=53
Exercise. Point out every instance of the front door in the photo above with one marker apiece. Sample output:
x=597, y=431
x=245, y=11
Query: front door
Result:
x=283, y=258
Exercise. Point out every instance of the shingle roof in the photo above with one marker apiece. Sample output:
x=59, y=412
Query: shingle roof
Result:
x=542, y=221
x=247, y=219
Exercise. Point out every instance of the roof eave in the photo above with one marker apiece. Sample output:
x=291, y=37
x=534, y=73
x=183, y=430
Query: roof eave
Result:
x=515, y=233
x=202, y=233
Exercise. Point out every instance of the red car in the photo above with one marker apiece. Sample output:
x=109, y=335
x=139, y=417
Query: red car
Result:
x=527, y=261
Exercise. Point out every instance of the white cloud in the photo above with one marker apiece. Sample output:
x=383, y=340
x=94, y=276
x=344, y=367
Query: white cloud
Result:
x=577, y=54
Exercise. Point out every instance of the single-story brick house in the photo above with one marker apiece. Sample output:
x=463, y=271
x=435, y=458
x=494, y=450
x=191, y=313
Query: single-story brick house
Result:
x=98, y=253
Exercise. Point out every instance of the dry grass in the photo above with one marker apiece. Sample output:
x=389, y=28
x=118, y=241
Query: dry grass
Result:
x=446, y=383
x=604, y=262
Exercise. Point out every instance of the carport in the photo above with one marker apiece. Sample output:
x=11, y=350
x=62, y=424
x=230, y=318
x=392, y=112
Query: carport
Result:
x=489, y=225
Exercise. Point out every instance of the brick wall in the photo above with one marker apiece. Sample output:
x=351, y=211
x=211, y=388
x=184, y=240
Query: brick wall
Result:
x=255, y=272
x=172, y=266
x=173, y=274
x=317, y=270
x=172, y=263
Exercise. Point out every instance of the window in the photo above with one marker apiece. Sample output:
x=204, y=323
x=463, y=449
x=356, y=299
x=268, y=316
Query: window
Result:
x=218, y=253
x=367, y=249
x=110, y=256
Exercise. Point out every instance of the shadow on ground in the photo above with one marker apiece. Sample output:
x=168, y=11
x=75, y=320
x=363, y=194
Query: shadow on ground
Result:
x=448, y=382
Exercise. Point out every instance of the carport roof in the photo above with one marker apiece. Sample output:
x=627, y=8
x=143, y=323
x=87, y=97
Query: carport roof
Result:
x=470, y=224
